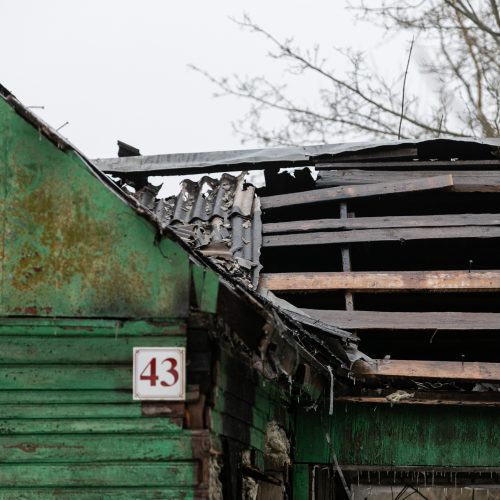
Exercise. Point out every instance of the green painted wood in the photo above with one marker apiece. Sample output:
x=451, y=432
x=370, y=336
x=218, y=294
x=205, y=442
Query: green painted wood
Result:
x=64, y=396
x=160, y=426
x=125, y=410
x=74, y=449
x=97, y=493
x=71, y=246
x=89, y=327
x=138, y=474
x=65, y=377
x=95, y=350
x=301, y=482
x=401, y=436
x=206, y=287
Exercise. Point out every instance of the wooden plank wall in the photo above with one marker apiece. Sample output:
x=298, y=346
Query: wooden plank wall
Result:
x=68, y=425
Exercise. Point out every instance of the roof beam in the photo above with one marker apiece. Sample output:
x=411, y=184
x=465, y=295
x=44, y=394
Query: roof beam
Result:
x=416, y=165
x=400, y=281
x=373, y=235
x=464, y=180
x=361, y=191
x=413, y=369
x=383, y=222
x=383, y=320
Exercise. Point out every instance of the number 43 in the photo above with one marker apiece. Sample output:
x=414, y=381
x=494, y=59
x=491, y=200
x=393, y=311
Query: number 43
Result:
x=153, y=377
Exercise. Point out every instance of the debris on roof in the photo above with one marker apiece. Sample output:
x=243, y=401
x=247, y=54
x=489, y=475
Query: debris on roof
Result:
x=219, y=217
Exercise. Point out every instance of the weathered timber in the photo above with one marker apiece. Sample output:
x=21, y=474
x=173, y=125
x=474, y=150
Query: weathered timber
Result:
x=103, y=474
x=417, y=165
x=79, y=425
x=93, y=493
x=77, y=350
x=402, y=436
x=43, y=411
x=382, y=320
x=401, y=152
x=346, y=259
x=56, y=377
x=62, y=448
x=361, y=191
x=463, y=180
x=383, y=222
x=387, y=234
x=419, y=401
x=401, y=281
x=414, y=369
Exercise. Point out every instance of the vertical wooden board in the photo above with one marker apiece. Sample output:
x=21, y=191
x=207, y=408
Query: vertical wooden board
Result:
x=402, y=436
x=136, y=474
x=103, y=448
x=301, y=482
x=72, y=246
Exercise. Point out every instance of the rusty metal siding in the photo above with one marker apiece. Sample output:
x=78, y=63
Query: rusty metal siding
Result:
x=70, y=246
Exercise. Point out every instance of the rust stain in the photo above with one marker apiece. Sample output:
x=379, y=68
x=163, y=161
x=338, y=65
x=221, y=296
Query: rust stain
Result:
x=69, y=244
x=32, y=310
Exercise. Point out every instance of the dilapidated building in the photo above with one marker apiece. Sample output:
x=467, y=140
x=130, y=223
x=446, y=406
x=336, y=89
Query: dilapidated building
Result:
x=340, y=321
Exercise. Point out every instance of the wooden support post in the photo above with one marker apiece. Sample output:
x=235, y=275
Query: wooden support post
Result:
x=346, y=260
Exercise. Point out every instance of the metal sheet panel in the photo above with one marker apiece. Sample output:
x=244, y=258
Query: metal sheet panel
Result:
x=71, y=247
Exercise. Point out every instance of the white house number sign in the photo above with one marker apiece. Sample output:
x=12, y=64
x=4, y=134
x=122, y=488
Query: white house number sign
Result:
x=160, y=373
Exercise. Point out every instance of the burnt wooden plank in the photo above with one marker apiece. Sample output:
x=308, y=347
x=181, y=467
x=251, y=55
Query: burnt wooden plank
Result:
x=463, y=180
x=458, y=401
x=387, y=234
x=415, y=369
x=383, y=222
x=361, y=191
x=383, y=320
x=400, y=281
x=385, y=153
x=452, y=165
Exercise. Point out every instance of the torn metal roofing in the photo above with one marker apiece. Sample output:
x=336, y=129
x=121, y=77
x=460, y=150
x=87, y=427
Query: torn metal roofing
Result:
x=219, y=217
x=193, y=163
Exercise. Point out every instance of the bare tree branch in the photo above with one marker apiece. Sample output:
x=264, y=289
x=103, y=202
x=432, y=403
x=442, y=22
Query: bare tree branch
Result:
x=463, y=67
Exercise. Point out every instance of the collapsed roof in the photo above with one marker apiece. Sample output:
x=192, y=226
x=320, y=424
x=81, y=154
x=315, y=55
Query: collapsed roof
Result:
x=395, y=242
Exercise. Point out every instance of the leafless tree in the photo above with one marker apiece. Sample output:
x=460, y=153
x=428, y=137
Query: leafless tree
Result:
x=463, y=63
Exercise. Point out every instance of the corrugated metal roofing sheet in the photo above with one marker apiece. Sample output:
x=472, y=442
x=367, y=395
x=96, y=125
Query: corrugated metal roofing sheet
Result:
x=220, y=217
x=300, y=155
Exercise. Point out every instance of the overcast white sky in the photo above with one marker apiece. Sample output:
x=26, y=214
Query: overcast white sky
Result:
x=118, y=69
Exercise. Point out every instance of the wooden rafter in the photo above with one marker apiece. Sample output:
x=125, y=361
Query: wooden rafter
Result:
x=383, y=320
x=386, y=234
x=442, y=281
x=351, y=192
x=416, y=369
x=405, y=221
